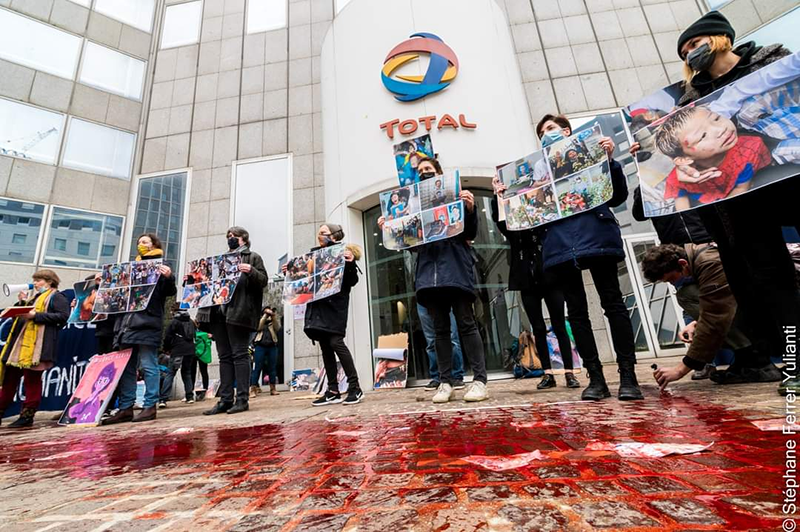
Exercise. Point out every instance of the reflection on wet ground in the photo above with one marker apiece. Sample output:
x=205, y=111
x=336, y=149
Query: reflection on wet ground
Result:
x=405, y=472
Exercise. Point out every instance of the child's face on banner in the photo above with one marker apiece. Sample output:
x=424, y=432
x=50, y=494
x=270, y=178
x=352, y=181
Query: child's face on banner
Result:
x=707, y=135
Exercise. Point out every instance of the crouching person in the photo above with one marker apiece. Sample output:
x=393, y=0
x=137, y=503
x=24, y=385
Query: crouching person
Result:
x=715, y=314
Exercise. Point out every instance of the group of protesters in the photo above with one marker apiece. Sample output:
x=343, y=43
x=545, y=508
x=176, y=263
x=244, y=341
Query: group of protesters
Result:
x=733, y=274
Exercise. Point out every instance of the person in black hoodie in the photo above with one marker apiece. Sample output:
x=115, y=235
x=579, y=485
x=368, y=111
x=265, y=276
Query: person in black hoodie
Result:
x=179, y=346
x=444, y=279
x=142, y=332
x=232, y=325
x=747, y=229
x=592, y=241
x=536, y=284
x=326, y=323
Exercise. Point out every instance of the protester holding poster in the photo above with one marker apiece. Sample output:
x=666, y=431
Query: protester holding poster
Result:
x=748, y=227
x=444, y=279
x=326, y=322
x=31, y=347
x=592, y=241
x=233, y=325
x=141, y=331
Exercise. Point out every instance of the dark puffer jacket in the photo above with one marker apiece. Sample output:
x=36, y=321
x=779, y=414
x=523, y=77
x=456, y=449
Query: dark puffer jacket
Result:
x=679, y=228
x=447, y=263
x=144, y=327
x=329, y=316
x=590, y=234
x=179, y=337
x=53, y=318
x=525, y=254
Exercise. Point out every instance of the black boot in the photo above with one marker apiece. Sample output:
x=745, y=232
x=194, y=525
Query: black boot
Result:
x=219, y=408
x=121, y=416
x=240, y=406
x=24, y=420
x=597, y=389
x=548, y=381
x=628, y=385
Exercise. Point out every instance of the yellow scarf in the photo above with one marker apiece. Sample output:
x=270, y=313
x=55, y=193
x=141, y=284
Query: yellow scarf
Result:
x=154, y=253
x=27, y=350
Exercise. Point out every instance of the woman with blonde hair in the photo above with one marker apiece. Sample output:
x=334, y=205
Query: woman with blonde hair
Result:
x=32, y=345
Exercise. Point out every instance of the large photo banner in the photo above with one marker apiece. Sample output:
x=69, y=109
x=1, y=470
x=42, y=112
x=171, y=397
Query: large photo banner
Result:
x=314, y=276
x=735, y=140
x=568, y=177
x=94, y=392
x=85, y=295
x=407, y=155
x=126, y=286
x=423, y=212
x=210, y=281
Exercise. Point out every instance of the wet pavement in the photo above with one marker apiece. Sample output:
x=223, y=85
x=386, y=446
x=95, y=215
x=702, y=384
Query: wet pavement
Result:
x=395, y=463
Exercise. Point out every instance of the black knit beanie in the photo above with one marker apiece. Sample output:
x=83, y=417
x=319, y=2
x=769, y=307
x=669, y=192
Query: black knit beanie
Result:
x=712, y=23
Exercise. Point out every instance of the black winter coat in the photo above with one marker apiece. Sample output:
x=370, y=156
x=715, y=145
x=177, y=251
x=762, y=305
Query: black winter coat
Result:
x=179, y=338
x=244, y=309
x=590, y=234
x=329, y=316
x=144, y=327
x=53, y=318
x=525, y=255
x=679, y=228
x=447, y=263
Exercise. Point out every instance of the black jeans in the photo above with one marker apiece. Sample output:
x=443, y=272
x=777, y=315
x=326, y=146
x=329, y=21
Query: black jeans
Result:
x=333, y=346
x=203, y=372
x=606, y=282
x=439, y=306
x=549, y=291
x=234, y=361
x=759, y=269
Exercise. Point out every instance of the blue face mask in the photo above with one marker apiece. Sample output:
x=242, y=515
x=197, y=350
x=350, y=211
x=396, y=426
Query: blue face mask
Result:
x=549, y=137
x=687, y=279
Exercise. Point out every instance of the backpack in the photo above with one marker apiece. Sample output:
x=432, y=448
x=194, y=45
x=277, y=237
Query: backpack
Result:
x=527, y=363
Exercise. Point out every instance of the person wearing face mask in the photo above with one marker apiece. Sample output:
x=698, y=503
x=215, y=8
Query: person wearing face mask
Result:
x=31, y=346
x=592, y=241
x=747, y=229
x=232, y=325
x=444, y=279
x=141, y=331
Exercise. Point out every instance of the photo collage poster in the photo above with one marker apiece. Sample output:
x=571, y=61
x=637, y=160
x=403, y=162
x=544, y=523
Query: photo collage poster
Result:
x=739, y=138
x=210, y=281
x=314, y=275
x=407, y=155
x=423, y=212
x=126, y=286
x=568, y=177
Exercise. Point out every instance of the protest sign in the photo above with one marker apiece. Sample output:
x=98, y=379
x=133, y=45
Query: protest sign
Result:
x=391, y=357
x=85, y=295
x=314, y=276
x=126, y=286
x=210, y=281
x=653, y=106
x=568, y=177
x=735, y=140
x=91, y=397
x=407, y=155
x=423, y=212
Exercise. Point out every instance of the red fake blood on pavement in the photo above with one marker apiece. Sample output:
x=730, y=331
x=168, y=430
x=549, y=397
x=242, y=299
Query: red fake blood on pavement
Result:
x=405, y=472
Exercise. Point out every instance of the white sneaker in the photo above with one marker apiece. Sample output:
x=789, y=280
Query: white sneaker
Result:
x=443, y=394
x=477, y=392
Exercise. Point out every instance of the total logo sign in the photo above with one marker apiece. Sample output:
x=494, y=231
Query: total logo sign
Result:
x=442, y=70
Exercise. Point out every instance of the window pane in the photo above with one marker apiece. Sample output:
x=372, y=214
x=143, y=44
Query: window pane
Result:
x=99, y=149
x=38, y=45
x=182, y=25
x=157, y=220
x=264, y=15
x=77, y=238
x=137, y=13
x=112, y=71
x=340, y=5
x=20, y=224
x=29, y=132
x=782, y=30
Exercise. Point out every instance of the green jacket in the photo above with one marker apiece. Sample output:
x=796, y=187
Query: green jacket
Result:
x=202, y=347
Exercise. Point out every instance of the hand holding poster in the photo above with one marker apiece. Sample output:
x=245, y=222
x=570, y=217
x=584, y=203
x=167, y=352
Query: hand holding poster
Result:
x=315, y=275
x=91, y=397
x=210, y=281
x=126, y=286
x=424, y=212
x=568, y=177
x=737, y=139
x=407, y=155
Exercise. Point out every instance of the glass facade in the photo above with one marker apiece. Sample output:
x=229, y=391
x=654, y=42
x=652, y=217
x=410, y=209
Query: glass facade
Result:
x=20, y=227
x=160, y=203
x=182, y=25
x=81, y=239
x=393, y=303
x=112, y=71
x=265, y=15
x=136, y=13
x=29, y=132
x=99, y=149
